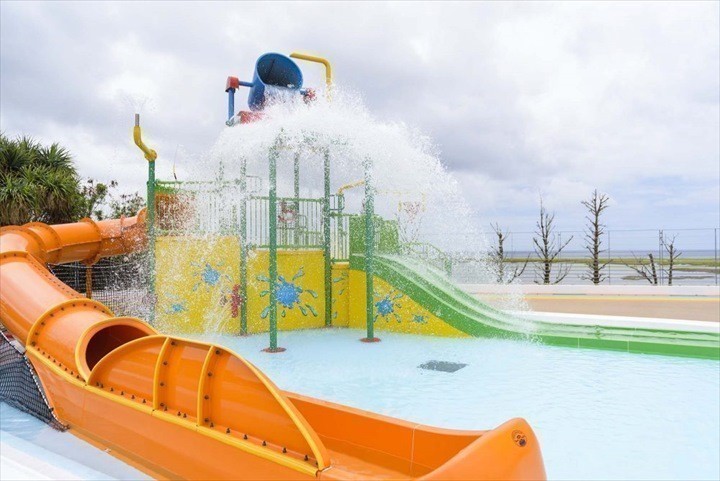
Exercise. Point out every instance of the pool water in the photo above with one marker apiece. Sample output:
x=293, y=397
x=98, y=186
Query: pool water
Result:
x=598, y=414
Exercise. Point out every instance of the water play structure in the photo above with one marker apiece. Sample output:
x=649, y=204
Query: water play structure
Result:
x=281, y=263
x=262, y=264
x=180, y=408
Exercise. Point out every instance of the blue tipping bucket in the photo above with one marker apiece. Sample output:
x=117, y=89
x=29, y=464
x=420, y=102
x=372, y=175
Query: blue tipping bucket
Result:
x=275, y=76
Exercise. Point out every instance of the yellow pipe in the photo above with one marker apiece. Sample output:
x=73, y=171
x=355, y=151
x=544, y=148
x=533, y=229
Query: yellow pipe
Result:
x=316, y=59
x=150, y=154
x=359, y=183
x=351, y=185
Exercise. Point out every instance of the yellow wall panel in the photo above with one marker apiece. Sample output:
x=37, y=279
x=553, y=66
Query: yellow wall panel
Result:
x=341, y=294
x=194, y=283
x=300, y=290
x=196, y=288
x=196, y=278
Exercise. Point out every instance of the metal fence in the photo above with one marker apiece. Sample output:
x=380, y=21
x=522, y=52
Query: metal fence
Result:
x=299, y=222
x=208, y=208
x=623, y=250
x=215, y=208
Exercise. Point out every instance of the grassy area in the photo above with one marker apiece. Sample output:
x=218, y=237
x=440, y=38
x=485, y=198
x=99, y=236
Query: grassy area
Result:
x=676, y=278
x=706, y=262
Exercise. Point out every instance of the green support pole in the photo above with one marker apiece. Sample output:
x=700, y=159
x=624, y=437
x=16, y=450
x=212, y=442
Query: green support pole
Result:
x=326, y=239
x=150, y=156
x=296, y=180
x=340, y=236
x=296, y=191
x=273, y=268
x=151, y=235
x=369, y=253
x=243, y=247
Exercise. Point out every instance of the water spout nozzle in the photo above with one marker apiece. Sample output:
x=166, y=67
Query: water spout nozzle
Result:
x=150, y=154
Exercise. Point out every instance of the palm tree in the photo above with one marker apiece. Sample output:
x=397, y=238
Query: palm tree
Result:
x=37, y=183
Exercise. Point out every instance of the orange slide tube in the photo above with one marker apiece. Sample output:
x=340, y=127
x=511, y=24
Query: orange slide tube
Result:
x=178, y=408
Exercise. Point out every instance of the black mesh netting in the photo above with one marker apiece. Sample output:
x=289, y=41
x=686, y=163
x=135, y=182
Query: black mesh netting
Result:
x=19, y=386
x=118, y=282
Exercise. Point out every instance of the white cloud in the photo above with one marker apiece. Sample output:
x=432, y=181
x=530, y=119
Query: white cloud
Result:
x=522, y=99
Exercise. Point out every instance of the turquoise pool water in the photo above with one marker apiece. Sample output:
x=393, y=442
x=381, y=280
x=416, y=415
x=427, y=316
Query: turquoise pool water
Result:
x=598, y=414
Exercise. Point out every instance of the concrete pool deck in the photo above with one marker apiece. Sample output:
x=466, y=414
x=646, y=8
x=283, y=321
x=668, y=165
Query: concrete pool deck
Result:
x=696, y=308
x=678, y=302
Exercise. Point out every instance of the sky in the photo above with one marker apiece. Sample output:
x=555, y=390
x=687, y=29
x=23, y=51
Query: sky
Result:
x=523, y=100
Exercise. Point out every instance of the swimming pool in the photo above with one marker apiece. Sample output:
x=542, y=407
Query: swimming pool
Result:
x=598, y=414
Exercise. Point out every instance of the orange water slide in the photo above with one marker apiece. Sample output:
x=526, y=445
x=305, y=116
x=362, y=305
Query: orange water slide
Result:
x=178, y=408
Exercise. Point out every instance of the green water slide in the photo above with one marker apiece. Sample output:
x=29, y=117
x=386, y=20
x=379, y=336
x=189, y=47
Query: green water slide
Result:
x=431, y=289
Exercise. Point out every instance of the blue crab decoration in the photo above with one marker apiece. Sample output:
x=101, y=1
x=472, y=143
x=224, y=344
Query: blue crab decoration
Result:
x=208, y=275
x=177, y=305
x=419, y=319
x=177, y=308
x=289, y=294
x=387, y=305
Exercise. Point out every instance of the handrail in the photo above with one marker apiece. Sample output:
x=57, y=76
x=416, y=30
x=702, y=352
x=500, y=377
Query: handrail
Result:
x=426, y=244
x=426, y=249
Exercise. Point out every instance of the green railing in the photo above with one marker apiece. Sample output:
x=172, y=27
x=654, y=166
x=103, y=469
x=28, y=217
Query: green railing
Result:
x=429, y=253
x=299, y=222
x=339, y=237
x=216, y=208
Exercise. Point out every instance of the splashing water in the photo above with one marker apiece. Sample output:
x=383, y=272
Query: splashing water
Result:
x=406, y=170
x=405, y=164
x=412, y=185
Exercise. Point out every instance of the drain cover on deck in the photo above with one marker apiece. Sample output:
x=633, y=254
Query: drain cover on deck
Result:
x=444, y=366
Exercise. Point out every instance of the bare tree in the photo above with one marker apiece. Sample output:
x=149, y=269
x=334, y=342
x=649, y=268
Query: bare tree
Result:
x=548, y=247
x=646, y=270
x=673, y=255
x=497, y=257
x=594, y=231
